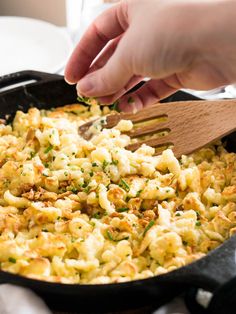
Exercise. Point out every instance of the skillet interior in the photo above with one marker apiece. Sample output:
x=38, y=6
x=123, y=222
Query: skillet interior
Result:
x=51, y=91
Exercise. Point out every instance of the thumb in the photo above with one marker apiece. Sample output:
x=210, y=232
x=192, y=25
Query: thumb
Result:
x=111, y=78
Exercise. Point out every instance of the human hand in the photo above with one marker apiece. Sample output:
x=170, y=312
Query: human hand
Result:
x=178, y=44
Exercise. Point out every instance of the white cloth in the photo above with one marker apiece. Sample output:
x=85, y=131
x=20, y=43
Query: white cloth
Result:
x=17, y=300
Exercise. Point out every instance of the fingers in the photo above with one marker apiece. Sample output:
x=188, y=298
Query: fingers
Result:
x=101, y=61
x=112, y=77
x=110, y=24
x=105, y=55
x=112, y=98
x=150, y=93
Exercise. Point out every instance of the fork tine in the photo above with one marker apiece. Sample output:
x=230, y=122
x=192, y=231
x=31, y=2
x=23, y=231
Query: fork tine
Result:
x=156, y=111
x=150, y=129
x=154, y=142
x=84, y=127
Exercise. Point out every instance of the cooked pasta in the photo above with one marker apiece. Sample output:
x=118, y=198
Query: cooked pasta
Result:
x=91, y=212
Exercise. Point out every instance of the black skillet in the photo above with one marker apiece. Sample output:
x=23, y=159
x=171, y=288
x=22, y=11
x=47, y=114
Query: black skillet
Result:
x=210, y=272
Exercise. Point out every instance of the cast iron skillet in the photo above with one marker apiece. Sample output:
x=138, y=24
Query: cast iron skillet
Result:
x=210, y=272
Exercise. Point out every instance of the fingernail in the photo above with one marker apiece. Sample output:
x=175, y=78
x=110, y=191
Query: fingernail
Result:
x=68, y=82
x=85, y=86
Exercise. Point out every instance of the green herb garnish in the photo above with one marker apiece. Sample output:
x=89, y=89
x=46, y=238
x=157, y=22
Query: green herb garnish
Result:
x=103, y=121
x=48, y=149
x=122, y=210
x=110, y=237
x=87, y=189
x=138, y=193
x=83, y=99
x=198, y=223
x=104, y=164
x=115, y=106
x=94, y=164
x=115, y=162
x=32, y=154
x=74, y=190
x=84, y=185
x=97, y=215
x=149, y=226
x=12, y=260
x=125, y=185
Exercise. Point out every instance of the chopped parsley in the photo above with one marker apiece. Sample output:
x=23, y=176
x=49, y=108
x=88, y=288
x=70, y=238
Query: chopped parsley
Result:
x=74, y=190
x=87, y=189
x=115, y=106
x=122, y=210
x=198, y=223
x=138, y=193
x=110, y=237
x=115, y=162
x=12, y=260
x=124, y=185
x=48, y=149
x=32, y=154
x=84, y=185
x=97, y=215
x=177, y=214
x=94, y=164
x=83, y=99
x=149, y=226
x=105, y=164
x=103, y=121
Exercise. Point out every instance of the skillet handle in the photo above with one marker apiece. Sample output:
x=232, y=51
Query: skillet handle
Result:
x=24, y=76
x=212, y=271
x=221, y=302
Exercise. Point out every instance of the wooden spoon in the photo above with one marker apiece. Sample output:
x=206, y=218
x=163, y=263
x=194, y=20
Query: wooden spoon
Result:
x=189, y=125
